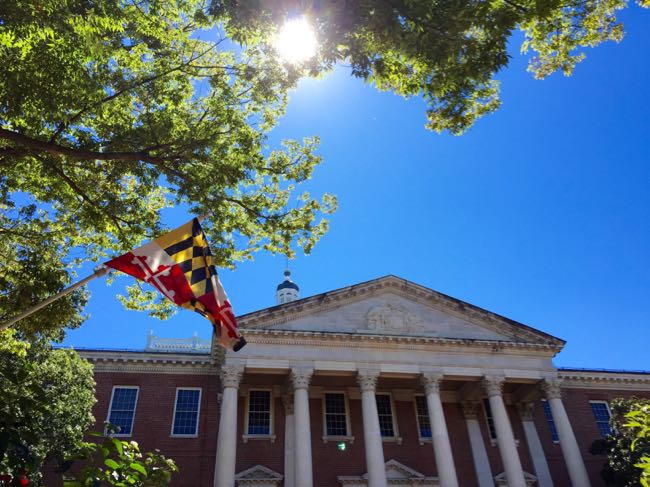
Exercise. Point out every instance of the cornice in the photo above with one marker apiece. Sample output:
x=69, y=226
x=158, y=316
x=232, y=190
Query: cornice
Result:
x=596, y=379
x=138, y=362
x=265, y=336
x=332, y=300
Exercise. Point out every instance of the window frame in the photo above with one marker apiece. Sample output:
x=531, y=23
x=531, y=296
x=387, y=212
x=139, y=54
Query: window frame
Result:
x=422, y=439
x=550, y=420
x=395, y=436
x=271, y=434
x=135, y=408
x=487, y=407
x=609, y=411
x=348, y=425
x=198, y=412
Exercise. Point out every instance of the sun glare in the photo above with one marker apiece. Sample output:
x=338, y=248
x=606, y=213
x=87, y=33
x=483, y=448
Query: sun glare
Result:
x=296, y=41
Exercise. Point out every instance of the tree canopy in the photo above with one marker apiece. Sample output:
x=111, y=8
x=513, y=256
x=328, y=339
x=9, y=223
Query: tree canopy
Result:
x=112, y=110
x=448, y=51
x=47, y=398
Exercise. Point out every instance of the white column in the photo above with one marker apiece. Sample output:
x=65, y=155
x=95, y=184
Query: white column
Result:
x=224, y=469
x=371, y=434
x=568, y=443
x=289, y=441
x=534, y=445
x=505, y=437
x=477, y=445
x=439, y=434
x=303, y=469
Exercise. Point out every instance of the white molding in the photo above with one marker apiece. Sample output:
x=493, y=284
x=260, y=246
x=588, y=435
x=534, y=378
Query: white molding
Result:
x=391, y=342
x=198, y=413
x=587, y=379
x=135, y=407
x=158, y=363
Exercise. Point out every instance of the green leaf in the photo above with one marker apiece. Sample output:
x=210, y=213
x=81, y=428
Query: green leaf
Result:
x=110, y=463
x=138, y=468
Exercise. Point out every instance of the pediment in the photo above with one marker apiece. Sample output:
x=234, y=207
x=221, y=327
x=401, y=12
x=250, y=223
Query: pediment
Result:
x=395, y=307
x=259, y=476
x=502, y=481
x=396, y=474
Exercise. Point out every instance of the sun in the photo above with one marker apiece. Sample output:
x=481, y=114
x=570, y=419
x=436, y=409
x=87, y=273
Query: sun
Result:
x=296, y=42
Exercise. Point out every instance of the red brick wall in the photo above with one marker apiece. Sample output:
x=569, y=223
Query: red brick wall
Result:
x=576, y=402
x=195, y=456
x=153, y=421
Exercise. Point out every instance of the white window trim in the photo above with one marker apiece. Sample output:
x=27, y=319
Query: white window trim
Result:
x=557, y=442
x=135, y=408
x=606, y=403
x=396, y=438
x=348, y=425
x=271, y=435
x=198, y=412
x=421, y=439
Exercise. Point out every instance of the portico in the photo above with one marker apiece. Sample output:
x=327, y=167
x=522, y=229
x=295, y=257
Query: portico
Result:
x=385, y=365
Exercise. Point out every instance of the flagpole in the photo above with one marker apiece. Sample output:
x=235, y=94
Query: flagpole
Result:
x=99, y=272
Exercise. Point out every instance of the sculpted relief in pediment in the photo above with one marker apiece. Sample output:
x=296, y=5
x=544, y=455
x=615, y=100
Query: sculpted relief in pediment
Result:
x=392, y=318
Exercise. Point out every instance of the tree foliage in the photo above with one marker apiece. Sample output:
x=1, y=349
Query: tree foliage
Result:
x=121, y=464
x=47, y=397
x=447, y=51
x=628, y=446
x=113, y=110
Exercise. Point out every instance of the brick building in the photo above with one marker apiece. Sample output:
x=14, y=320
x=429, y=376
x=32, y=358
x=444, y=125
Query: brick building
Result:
x=381, y=383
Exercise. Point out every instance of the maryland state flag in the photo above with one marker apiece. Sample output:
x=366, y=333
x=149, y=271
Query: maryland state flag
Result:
x=179, y=264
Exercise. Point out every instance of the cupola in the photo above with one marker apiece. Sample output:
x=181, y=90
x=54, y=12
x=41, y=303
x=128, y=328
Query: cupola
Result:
x=287, y=290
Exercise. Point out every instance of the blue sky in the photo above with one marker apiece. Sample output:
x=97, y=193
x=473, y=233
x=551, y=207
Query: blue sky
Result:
x=541, y=212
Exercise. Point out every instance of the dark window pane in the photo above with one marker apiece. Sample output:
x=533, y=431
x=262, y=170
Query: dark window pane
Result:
x=423, y=416
x=601, y=413
x=548, y=414
x=490, y=420
x=259, y=413
x=187, y=412
x=123, y=409
x=385, y=413
x=335, y=415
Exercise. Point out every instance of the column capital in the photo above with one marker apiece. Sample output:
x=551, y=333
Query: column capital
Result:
x=231, y=375
x=367, y=380
x=287, y=403
x=493, y=384
x=552, y=388
x=300, y=378
x=431, y=382
x=470, y=409
x=525, y=410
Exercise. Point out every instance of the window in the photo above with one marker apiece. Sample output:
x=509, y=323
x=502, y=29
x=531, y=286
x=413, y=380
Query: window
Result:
x=548, y=414
x=336, y=418
x=259, y=413
x=602, y=415
x=186, y=412
x=122, y=409
x=489, y=419
x=385, y=412
x=422, y=415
